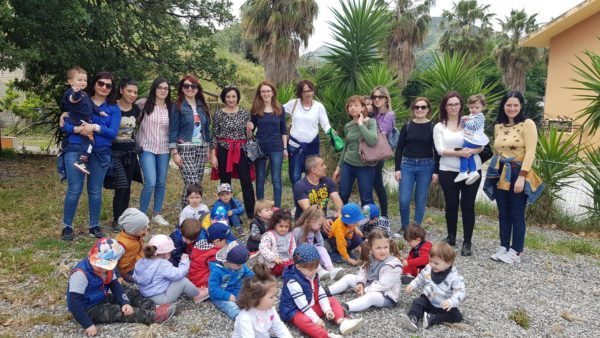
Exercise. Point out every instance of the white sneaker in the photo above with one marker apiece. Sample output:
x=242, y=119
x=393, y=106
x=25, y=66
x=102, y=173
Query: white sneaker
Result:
x=499, y=251
x=160, y=220
x=473, y=177
x=334, y=335
x=510, y=257
x=323, y=275
x=350, y=325
x=461, y=177
x=336, y=273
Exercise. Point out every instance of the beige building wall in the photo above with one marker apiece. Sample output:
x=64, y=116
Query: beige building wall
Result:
x=564, y=49
x=6, y=76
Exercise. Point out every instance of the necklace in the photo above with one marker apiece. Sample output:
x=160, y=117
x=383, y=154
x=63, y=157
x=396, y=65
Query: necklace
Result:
x=309, y=107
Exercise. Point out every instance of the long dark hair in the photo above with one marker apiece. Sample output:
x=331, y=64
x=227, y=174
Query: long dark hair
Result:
x=501, y=117
x=124, y=83
x=151, y=100
x=111, y=98
x=199, y=94
x=444, y=112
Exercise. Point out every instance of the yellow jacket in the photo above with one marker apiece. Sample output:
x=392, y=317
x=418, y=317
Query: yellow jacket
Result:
x=134, y=250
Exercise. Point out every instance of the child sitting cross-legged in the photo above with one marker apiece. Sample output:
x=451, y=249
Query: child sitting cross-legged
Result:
x=378, y=280
x=158, y=279
x=89, y=299
x=375, y=221
x=443, y=290
x=263, y=211
x=258, y=317
x=418, y=256
x=217, y=235
x=303, y=301
x=308, y=230
x=227, y=274
x=228, y=209
x=134, y=224
x=278, y=244
x=345, y=235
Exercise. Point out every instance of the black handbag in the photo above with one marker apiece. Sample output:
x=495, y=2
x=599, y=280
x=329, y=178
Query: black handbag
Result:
x=253, y=150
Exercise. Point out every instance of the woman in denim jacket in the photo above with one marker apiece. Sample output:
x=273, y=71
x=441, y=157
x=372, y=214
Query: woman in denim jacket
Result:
x=189, y=133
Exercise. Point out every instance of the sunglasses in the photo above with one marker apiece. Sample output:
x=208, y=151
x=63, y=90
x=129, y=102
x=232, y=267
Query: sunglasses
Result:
x=420, y=107
x=377, y=97
x=189, y=86
x=102, y=84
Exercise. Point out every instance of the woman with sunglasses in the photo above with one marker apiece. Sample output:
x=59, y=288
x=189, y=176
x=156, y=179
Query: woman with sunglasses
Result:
x=125, y=165
x=189, y=133
x=386, y=120
x=307, y=114
x=104, y=128
x=448, y=138
x=153, y=137
x=268, y=117
x=231, y=130
x=416, y=161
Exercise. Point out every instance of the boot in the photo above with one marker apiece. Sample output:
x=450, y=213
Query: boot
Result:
x=466, y=249
x=451, y=239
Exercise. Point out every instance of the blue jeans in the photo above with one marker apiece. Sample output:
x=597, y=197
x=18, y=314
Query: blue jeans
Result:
x=363, y=175
x=468, y=163
x=98, y=164
x=511, y=214
x=297, y=156
x=229, y=308
x=235, y=221
x=275, y=161
x=154, y=168
x=415, y=174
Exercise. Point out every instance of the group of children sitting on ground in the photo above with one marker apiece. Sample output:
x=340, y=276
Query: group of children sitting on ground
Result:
x=203, y=259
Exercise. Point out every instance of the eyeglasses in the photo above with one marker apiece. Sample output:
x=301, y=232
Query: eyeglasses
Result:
x=308, y=91
x=420, y=107
x=103, y=84
x=378, y=97
x=452, y=104
x=189, y=86
x=266, y=91
x=162, y=88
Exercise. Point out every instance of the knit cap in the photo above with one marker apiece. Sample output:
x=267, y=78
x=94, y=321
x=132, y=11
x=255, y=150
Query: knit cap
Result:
x=163, y=243
x=234, y=252
x=105, y=253
x=133, y=220
x=306, y=253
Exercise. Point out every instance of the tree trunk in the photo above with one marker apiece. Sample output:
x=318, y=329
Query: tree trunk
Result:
x=514, y=77
x=401, y=59
x=280, y=64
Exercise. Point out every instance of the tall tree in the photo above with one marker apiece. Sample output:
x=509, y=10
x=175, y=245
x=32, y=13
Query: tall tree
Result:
x=467, y=28
x=410, y=25
x=513, y=60
x=276, y=29
x=131, y=38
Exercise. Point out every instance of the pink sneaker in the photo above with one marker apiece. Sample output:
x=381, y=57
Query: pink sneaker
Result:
x=202, y=296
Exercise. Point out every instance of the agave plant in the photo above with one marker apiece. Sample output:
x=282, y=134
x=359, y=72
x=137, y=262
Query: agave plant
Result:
x=285, y=93
x=589, y=81
x=380, y=75
x=457, y=73
x=591, y=175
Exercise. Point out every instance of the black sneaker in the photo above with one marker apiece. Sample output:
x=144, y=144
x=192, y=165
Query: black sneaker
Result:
x=81, y=167
x=428, y=320
x=406, y=279
x=96, y=232
x=409, y=322
x=466, y=249
x=346, y=309
x=67, y=234
x=116, y=227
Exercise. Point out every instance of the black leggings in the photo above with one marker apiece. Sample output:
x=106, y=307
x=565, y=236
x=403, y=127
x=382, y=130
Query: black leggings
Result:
x=455, y=193
x=243, y=170
x=422, y=304
x=379, y=188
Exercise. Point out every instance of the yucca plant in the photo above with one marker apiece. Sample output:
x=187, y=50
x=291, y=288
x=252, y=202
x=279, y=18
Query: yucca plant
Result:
x=286, y=92
x=589, y=81
x=380, y=75
x=591, y=175
x=459, y=73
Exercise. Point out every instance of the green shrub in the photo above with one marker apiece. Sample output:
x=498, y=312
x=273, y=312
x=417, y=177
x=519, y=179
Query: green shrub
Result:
x=521, y=317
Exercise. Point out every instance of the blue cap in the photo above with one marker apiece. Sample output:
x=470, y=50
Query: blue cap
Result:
x=352, y=214
x=371, y=211
x=217, y=230
x=306, y=253
x=234, y=252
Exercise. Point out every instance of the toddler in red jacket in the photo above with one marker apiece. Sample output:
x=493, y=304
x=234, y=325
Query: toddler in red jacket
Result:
x=418, y=256
x=217, y=235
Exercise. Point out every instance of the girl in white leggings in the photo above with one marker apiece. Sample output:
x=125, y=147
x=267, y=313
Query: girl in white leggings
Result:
x=378, y=280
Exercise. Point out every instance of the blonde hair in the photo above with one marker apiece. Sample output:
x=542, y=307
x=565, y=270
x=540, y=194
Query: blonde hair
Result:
x=71, y=72
x=444, y=251
x=365, y=249
x=388, y=99
x=313, y=213
x=262, y=204
x=476, y=98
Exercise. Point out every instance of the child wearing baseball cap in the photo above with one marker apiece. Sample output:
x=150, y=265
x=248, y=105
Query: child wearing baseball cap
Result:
x=375, y=221
x=227, y=275
x=345, y=235
x=134, y=224
x=90, y=302
x=158, y=279
x=303, y=301
x=228, y=208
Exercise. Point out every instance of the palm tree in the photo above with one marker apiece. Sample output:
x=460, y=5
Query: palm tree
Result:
x=276, y=29
x=513, y=60
x=588, y=81
x=467, y=27
x=410, y=24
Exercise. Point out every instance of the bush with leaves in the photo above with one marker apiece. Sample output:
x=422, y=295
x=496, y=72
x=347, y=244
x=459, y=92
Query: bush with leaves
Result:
x=591, y=175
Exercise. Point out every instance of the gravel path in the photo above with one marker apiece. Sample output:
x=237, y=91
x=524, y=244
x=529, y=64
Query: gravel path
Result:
x=559, y=293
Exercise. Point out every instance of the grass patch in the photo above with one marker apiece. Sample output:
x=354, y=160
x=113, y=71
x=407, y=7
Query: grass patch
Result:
x=486, y=209
x=48, y=319
x=520, y=317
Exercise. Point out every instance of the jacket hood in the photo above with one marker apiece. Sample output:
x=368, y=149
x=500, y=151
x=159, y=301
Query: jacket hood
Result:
x=145, y=269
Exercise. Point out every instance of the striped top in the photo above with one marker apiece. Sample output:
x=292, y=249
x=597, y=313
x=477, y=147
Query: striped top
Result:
x=473, y=131
x=303, y=304
x=153, y=135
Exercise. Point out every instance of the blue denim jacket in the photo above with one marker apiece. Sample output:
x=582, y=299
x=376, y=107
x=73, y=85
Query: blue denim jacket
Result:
x=181, y=123
x=501, y=178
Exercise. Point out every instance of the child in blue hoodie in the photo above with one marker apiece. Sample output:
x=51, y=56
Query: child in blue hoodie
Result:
x=184, y=238
x=90, y=302
x=231, y=206
x=158, y=279
x=227, y=274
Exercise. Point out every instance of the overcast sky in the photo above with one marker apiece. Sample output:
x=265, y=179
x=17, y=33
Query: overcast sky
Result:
x=546, y=9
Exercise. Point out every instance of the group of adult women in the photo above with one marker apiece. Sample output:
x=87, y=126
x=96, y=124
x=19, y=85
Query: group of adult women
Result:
x=154, y=129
